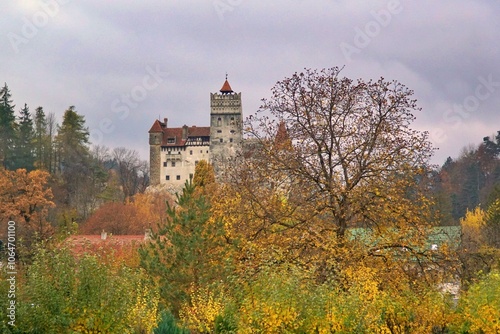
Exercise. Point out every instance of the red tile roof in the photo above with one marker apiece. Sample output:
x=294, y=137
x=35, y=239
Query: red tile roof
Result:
x=82, y=243
x=226, y=88
x=157, y=127
x=176, y=133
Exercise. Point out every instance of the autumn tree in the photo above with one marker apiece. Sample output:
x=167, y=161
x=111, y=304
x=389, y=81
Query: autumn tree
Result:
x=26, y=198
x=134, y=216
x=492, y=228
x=470, y=179
x=480, y=307
x=349, y=159
x=90, y=294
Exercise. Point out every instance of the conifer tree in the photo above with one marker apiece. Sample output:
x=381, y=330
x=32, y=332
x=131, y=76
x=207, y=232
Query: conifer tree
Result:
x=40, y=140
x=74, y=163
x=72, y=140
x=188, y=249
x=24, y=148
x=7, y=128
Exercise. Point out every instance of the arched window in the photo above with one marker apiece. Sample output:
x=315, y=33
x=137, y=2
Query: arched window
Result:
x=219, y=121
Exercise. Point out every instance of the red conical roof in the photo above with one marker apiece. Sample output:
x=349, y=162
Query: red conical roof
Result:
x=156, y=127
x=282, y=139
x=226, y=88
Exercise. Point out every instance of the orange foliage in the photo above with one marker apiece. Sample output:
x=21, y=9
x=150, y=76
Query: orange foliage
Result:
x=25, y=198
x=143, y=212
x=115, y=250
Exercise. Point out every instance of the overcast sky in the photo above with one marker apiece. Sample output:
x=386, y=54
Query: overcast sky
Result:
x=123, y=64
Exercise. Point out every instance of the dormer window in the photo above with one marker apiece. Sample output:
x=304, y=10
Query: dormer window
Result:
x=171, y=140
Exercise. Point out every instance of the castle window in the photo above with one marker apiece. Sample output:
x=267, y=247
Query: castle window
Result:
x=232, y=120
x=196, y=162
x=232, y=131
x=167, y=177
x=171, y=140
x=201, y=151
x=230, y=140
x=219, y=131
x=221, y=140
x=219, y=121
x=173, y=163
x=178, y=177
x=191, y=152
x=165, y=164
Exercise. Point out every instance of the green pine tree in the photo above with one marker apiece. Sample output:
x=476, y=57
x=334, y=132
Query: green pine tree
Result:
x=7, y=129
x=24, y=148
x=72, y=140
x=41, y=141
x=187, y=250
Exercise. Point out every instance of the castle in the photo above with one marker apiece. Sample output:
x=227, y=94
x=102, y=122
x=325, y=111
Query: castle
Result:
x=174, y=152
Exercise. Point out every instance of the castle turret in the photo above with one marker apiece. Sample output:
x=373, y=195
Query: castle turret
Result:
x=226, y=119
x=155, y=141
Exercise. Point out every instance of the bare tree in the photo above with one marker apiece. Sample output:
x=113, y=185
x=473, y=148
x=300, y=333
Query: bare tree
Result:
x=351, y=144
x=132, y=171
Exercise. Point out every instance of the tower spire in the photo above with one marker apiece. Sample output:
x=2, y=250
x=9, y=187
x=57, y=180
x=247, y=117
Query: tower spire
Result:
x=226, y=87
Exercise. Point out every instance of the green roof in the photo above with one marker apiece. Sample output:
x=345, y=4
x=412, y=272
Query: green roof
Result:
x=438, y=236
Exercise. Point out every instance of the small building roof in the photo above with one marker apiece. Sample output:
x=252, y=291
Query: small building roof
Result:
x=80, y=244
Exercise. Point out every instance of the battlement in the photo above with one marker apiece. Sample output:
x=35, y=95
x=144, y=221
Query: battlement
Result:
x=174, y=152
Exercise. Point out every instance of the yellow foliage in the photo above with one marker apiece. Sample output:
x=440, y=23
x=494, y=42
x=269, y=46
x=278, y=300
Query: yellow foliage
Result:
x=26, y=199
x=143, y=313
x=200, y=313
x=472, y=228
x=474, y=219
x=482, y=305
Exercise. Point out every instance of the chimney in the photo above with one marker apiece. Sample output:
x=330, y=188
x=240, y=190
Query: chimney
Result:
x=147, y=234
x=165, y=122
x=184, y=132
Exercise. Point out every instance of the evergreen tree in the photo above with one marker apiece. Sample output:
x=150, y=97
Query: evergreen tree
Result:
x=73, y=159
x=72, y=140
x=40, y=140
x=83, y=178
x=51, y=149
x=24, y=148
x=492, y=147
x=188, y=249
x=7, y=129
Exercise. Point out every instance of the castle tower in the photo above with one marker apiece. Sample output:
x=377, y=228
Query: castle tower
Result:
x=155, y=142
x=226, y=120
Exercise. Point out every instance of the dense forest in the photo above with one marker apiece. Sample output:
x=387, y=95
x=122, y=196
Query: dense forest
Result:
x=332, y=220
